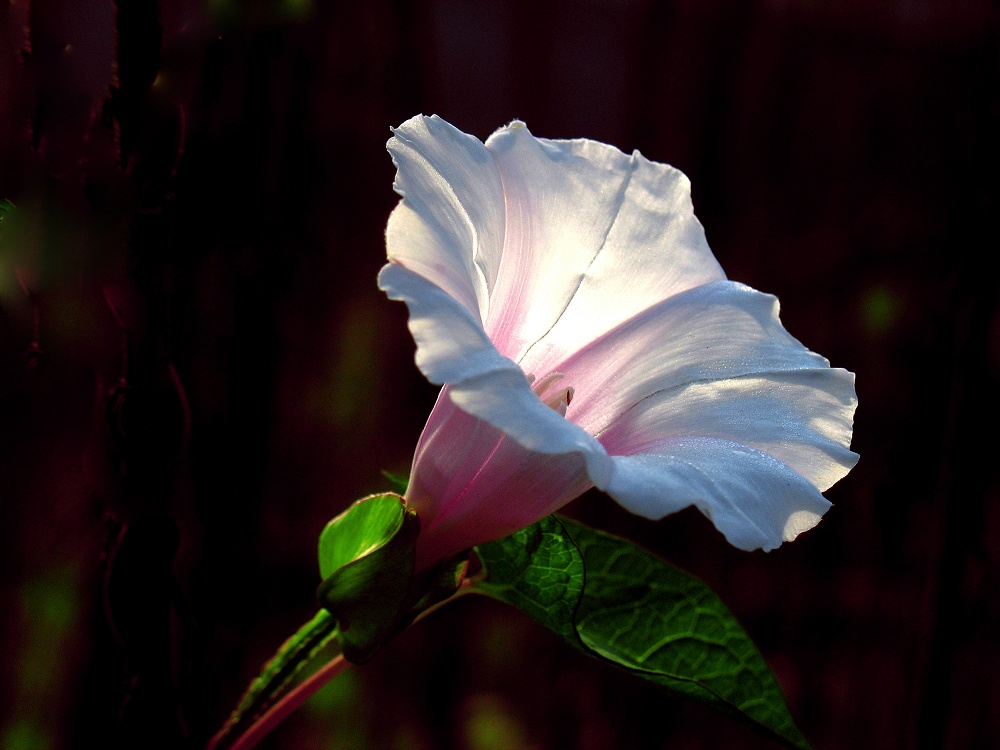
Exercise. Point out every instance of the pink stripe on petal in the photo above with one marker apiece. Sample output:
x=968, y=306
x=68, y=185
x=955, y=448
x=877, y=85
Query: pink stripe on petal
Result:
x=472, y=483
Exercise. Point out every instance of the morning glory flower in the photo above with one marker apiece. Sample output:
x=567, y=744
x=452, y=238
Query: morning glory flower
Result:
x=565, y=297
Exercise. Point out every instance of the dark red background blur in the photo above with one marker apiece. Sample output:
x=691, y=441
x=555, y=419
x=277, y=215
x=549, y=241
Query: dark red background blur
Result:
x=213, y=174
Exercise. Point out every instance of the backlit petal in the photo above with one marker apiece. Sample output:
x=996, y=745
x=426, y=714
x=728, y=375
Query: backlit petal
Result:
x=654, y=249
x=561, y=200
x=451, y=343
x=450, y=225
x=803, y=418
x=452, y=348
x=565, y=296
x=754, y=499
x=712, y=332
x=473, y=483
x=505, y=400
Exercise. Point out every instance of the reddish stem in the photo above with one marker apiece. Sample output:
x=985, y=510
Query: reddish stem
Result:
x=288, y=703
x=301, y=693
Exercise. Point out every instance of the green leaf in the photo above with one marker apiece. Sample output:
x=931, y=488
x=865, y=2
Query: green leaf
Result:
x=5, y=208
x=537, y=571
x=627, y=607
x=366, y=558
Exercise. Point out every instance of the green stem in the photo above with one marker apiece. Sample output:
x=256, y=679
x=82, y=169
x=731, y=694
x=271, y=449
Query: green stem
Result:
x=288, y=703
x=268, y=690
x=268, y=700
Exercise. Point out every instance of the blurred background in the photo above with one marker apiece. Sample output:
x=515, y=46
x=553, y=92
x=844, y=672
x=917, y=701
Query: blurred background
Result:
x=197, y=370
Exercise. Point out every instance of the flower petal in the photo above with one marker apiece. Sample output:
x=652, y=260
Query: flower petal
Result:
x=655, y=248
x=586, y=268
x=561, y=199
x=452, y=348
x=449, y=226
x=754, y=499
x=802, y=418
x=472, y=483
x=520, y=228
x=451, y=344
x=505, y=400
x=716, y=331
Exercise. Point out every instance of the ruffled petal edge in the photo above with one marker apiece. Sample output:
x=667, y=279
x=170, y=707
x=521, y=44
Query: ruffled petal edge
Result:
x=755, y=500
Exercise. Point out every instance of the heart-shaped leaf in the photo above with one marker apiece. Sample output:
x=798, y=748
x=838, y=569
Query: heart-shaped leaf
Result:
x=625, y=606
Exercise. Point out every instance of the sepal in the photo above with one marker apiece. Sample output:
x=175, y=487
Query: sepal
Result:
x=367, y=559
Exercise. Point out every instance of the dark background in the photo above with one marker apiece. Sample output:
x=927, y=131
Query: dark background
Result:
x=203, y=186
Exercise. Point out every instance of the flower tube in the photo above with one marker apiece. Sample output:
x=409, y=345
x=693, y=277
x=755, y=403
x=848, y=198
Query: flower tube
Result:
x=565, y=297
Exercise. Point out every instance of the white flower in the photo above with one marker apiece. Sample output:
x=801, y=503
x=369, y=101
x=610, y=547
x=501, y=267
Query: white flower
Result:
x=564, y=294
